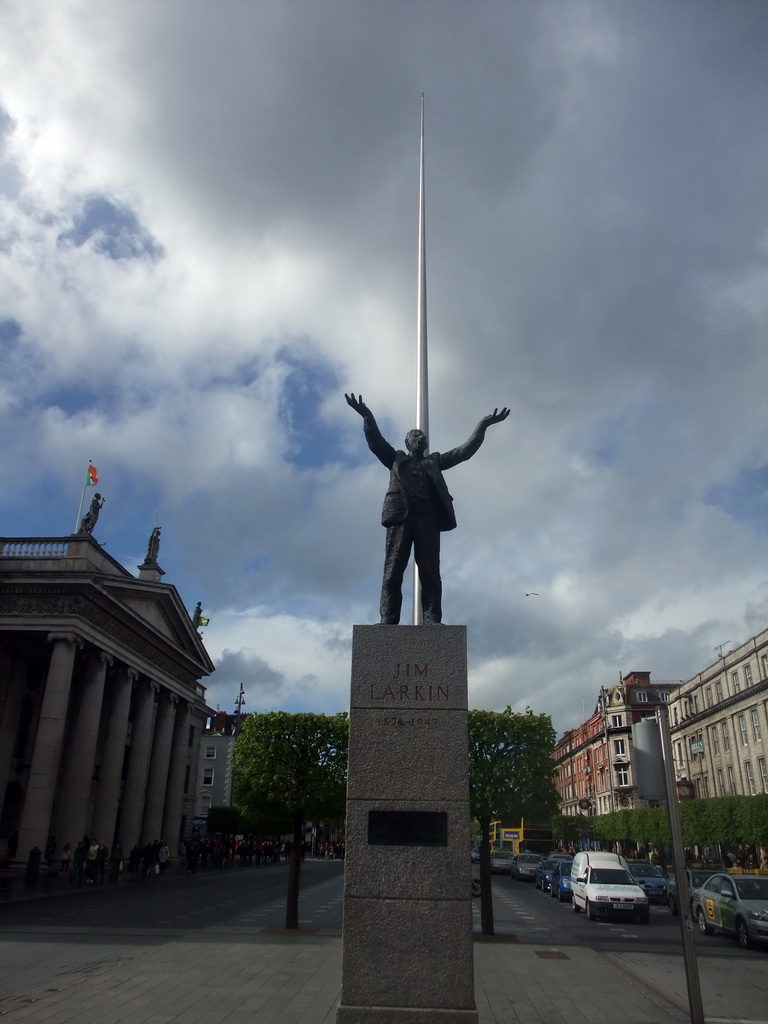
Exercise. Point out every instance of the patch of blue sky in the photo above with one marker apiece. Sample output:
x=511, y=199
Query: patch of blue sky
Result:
x=308, y=383
x=84, y=396
x=10, y=332
x=113, y=229
x=744, y=498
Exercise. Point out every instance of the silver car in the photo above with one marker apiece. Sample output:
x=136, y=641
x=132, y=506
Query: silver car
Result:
x=736, y=904
x=525, y=868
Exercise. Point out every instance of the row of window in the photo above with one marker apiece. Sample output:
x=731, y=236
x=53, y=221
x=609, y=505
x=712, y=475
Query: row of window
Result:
x=720, y=691
x=747, y=725
x=755, y=781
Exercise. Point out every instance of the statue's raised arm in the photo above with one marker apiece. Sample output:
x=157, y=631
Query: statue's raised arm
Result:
x=494, y=417
x=358, y=405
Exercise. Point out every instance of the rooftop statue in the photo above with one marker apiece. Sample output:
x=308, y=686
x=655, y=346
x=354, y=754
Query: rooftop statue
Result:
x=417, y=508
x=91, y=516
x=153, y=547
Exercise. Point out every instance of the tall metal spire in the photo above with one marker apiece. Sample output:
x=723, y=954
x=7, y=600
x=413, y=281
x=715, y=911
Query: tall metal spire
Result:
x=422, y=382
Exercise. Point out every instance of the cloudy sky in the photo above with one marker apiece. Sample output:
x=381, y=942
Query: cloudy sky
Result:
x=208, y=233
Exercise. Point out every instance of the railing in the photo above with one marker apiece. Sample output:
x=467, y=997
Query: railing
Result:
x=36, y=547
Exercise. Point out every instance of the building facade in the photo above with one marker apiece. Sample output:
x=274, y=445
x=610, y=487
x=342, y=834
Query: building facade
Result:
x=214, y=781
x=101, y=705
x=595, y=771
x=719, y=724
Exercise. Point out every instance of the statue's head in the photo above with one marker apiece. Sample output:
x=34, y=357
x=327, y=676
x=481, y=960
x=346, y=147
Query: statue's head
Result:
x=416, y=442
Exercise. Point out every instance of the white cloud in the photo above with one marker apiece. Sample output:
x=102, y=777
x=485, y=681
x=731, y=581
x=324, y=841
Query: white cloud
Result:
x=596, y=242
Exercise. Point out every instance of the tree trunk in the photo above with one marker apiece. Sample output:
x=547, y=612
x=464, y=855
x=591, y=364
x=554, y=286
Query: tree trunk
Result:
x=294, y=873
x=486, y=894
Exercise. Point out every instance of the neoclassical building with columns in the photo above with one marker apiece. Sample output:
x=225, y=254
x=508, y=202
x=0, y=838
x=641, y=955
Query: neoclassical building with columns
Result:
x=101, y=705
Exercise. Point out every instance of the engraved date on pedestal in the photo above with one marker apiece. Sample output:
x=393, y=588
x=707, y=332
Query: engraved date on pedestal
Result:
x=387, y=721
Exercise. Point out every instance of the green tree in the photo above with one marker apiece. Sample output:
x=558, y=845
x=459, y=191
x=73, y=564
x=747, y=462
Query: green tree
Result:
x=510, y=778
x=297, y=763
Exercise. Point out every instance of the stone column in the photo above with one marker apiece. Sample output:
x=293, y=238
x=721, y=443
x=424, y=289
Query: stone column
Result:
x=9, y=722
x=158, y=768
x=43, y=776
x=81, y=754
x=407, y=952
x=138, y=764
x=108, y=793
x=174, y=795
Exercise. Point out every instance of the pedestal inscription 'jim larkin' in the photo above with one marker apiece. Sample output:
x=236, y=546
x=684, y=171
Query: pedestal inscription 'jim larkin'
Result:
x=417, y=508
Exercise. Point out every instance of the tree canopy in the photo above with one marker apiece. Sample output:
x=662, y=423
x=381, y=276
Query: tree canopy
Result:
x=510, y=766
x=294, y=762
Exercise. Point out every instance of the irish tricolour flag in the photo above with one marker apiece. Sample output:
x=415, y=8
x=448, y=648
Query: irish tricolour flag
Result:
x=91, y=477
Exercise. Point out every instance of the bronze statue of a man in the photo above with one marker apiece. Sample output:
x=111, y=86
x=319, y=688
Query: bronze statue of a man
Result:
x=417, y=508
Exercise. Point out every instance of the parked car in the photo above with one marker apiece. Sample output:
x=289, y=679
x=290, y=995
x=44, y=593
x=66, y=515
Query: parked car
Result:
x=525, y=866
x=653, y=883
x=736, y=904
x=542, y=876
x=603, y=887
x=696, y=877
x=501, y=862
x=560, y=883
x=474, y=854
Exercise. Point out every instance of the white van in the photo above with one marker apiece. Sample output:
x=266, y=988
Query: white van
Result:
x=602, y=886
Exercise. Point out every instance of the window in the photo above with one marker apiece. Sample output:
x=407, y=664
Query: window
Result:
x=205, y=804
x=663, y=696
x=764, y=664
x=742, y=730
x=726, y=736
x=617, y=721
x=731, y=780
x=705, y=785
x=763, y=770
x=618, y=748
x=735, y=682
x=708, y=696
x=747, y=675
x=641, y=696
x=749, y=778
x=207, y=776
x=674, y=712
x=210, y=753
x=714, y=741
x=718, y=690
x=720, y=783
x=191, y=737
x=186, y=779
x=757, y=732
x=695, y=704
x=622, y=776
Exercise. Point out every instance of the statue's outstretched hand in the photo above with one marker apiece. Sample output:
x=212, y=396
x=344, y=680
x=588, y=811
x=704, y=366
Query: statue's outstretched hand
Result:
x=358, y=404
x=495, y=417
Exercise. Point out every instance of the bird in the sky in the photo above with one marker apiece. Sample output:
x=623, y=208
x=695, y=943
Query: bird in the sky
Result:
x=532, y=594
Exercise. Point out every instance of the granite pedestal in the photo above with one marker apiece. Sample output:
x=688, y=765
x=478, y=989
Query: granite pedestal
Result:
x=407, y=939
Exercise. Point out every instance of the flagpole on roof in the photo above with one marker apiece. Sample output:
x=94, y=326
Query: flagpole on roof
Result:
x=422, y=388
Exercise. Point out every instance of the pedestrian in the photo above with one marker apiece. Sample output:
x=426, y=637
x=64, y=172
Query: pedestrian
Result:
x=163, y=855
x=66, y=860
x=79, y=859
x=115, y=862
x=134, y=861
x=101, y=860
x=92, y=862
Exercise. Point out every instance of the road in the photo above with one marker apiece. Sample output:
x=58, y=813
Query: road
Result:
x=534, y=917
x=43, y=940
